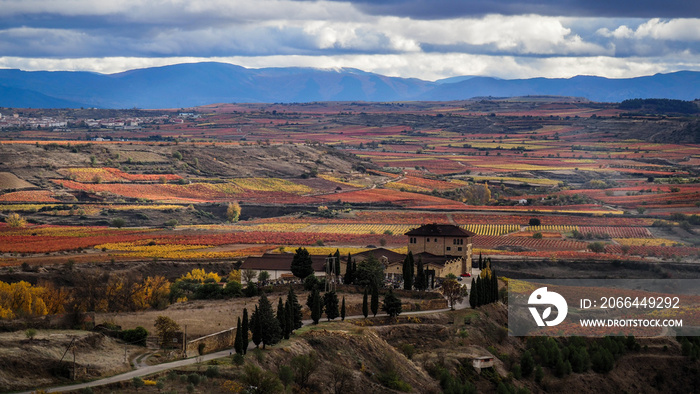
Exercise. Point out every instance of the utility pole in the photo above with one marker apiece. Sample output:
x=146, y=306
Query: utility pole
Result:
x=184, y=342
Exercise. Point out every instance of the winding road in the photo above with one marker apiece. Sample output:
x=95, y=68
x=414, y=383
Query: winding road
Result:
x=142, y=369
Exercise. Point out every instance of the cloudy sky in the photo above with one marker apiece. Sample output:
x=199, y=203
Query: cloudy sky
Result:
x=427, y=39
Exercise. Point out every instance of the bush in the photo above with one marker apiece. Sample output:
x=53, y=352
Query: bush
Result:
x=311, y=282
x=212, y=372
x=233, y=289
x=391, y=379
x=537, y=235
x=138, y=382
x=30, y=333
x=136, y=336
x=304, y=366
x=238, y=359
x=408, y=350
x=194, y=378
x=118, y=223
x=286, y=375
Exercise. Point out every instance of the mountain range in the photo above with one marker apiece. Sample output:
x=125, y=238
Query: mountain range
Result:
x=193, y=84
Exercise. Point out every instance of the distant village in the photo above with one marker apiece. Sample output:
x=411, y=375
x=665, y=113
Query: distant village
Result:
x=19, y=121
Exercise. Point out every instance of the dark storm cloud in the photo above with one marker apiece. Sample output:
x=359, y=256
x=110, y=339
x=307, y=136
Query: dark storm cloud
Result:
x=441, y=9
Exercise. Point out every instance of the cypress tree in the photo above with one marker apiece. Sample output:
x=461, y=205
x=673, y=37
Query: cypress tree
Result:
x=375, y=301
x=365, y=307
x=472, y=294
x=296, y=309
x=330, y=302
x=238, y=342
x=257, y=328
x=486, y=282
x=349, y=274
x=479, y=292
x=419, y=281
x=271, y=333
x=480, y=260
x=494, y=286
x=408, y=272
x=337, y=262
x=282, y=316
x=289, y=315
x=245, y=327
x=315, y=306
x=342, y=310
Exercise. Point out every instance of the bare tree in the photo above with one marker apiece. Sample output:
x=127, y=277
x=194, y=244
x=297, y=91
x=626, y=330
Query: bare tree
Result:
x=249, y=275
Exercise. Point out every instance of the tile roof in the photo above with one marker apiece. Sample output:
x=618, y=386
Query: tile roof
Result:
x=440, y=230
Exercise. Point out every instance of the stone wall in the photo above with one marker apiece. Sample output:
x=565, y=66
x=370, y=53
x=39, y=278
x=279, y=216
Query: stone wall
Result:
x=212, y=342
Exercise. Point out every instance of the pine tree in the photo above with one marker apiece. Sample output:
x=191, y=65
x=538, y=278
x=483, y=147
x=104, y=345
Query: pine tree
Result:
x=315, y=306
x=365, y=307
x=296, y=309
x=391, y=304
x=342, y=310
x=330, y=302
x=420, y=282
x=282, y=316
x=408, y=272
x=245, y=327
x=257, y=328
x=271, y=333
x=472, y=294
x=375, y=301
x=238, y=342
x=301, y=263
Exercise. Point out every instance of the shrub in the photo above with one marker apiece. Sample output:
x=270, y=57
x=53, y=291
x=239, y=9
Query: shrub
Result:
x=408, y=350
x=136, y=336
x=212, y=371
x=304, y=366
x=238, y=359
x=391, y=379
x=138, y=382
x=30, y=333
x=118, y=223
x=286, y=374
x=194, y=378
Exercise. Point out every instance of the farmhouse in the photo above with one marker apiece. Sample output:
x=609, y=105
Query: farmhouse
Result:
x=279, y=266
x=443, y=248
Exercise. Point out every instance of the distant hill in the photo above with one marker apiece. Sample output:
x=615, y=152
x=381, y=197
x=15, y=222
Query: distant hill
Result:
x=193, y=84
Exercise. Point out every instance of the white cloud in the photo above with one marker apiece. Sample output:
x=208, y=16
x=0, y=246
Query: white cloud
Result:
x=657, y=29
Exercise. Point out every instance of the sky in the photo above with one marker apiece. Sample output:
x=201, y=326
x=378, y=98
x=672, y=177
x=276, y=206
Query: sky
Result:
x=426, y=39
